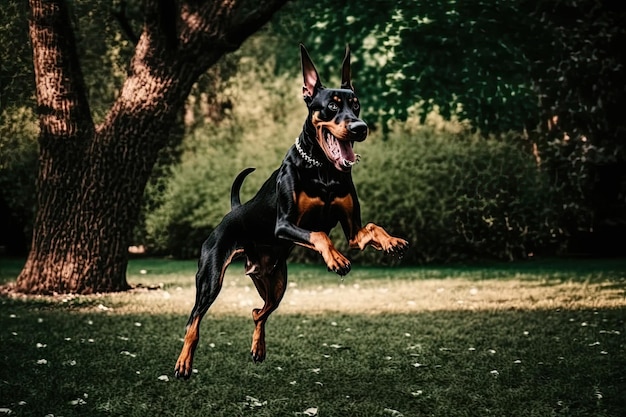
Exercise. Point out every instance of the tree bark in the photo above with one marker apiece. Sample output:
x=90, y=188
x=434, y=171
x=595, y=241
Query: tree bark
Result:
x=91, y=178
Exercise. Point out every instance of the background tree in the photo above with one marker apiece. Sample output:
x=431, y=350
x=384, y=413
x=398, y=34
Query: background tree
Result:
x=92, y=176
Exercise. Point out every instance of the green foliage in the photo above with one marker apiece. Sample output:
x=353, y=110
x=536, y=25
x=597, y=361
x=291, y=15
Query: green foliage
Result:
x=18, y=169
x=580, y=70
x=465, y=57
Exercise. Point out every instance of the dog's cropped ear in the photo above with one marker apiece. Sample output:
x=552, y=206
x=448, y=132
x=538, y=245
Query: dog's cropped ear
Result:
x=312, y=81
x=345, y=71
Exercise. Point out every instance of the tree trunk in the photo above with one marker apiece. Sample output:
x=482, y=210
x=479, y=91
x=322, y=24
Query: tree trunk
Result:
x=91, y=179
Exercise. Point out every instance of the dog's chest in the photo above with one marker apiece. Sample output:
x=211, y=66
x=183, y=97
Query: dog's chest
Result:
x=321, y=203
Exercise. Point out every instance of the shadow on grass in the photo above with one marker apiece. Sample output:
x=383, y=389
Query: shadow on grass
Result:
x=523, y=363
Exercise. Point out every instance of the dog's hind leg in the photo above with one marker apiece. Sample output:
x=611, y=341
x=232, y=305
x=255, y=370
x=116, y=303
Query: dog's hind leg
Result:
x=268, y=271
x=211, y=268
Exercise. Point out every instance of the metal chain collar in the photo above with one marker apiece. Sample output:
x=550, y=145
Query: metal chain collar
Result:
x=306, y=157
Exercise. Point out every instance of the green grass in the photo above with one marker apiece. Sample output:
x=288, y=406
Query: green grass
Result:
x=473, y=360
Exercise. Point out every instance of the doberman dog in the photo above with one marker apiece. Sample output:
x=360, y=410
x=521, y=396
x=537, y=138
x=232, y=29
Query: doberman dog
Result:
x=299, y=204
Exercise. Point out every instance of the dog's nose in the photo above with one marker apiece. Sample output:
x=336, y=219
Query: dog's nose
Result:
x=358, y=130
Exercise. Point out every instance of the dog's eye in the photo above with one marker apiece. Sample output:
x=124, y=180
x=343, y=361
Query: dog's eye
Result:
x=332, y=106
x=355, y=105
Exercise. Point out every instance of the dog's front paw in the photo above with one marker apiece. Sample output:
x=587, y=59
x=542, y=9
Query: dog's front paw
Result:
x=337, y=263
x=396, y=246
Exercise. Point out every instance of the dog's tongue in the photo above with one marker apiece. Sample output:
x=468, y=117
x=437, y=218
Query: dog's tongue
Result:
x=341, y=152
x=347, y=153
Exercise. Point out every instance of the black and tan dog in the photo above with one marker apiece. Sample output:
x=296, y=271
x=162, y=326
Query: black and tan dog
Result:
x=299, y=204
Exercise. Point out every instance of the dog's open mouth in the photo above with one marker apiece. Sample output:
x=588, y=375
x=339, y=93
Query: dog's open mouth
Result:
x=339, y=152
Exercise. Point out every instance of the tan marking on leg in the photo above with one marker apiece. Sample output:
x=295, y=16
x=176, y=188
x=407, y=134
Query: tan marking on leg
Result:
x=335, y=261
x=185, y=360
x=378, y=238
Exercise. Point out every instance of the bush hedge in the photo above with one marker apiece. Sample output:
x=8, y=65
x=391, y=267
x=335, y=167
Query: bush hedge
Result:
x=459, y=196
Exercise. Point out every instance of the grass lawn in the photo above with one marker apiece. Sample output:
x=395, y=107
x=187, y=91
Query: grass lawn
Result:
x=542, y=338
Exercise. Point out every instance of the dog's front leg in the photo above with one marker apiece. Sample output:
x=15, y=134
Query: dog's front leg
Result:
x=288, y=216
x=359, y=237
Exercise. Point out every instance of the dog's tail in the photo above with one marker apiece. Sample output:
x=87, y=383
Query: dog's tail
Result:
x=234, y=191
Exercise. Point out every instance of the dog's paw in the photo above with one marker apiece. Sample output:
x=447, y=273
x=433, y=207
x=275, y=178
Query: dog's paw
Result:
x=258, y=352
x=396, y=246
x=338, y=263
x=183, y=368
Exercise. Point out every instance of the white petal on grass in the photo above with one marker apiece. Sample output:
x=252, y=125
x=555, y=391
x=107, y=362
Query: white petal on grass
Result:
x=127, y=353
x=472, y=349
x=39, y=320
x=90, y=322
x=137, y=324
x=492, y=351
x=164, y=378
x=6, y=411
x=495, y=373
x=517, y=361
x=78, y=401
x=12, y=316
x=21, y=403
x=594, y=344
x=604, y=352
x=417, y=393
x=311, y=412
x=42, y=362
x=41, y=345
x=14, y=333
x=392, y=412
x=253, y=402
x=315, y=370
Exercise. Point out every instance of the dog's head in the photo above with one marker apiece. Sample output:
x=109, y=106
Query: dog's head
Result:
x=334, y=113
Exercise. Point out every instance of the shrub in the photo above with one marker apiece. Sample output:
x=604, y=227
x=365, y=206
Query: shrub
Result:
x=458, y=196
x=18, y=171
